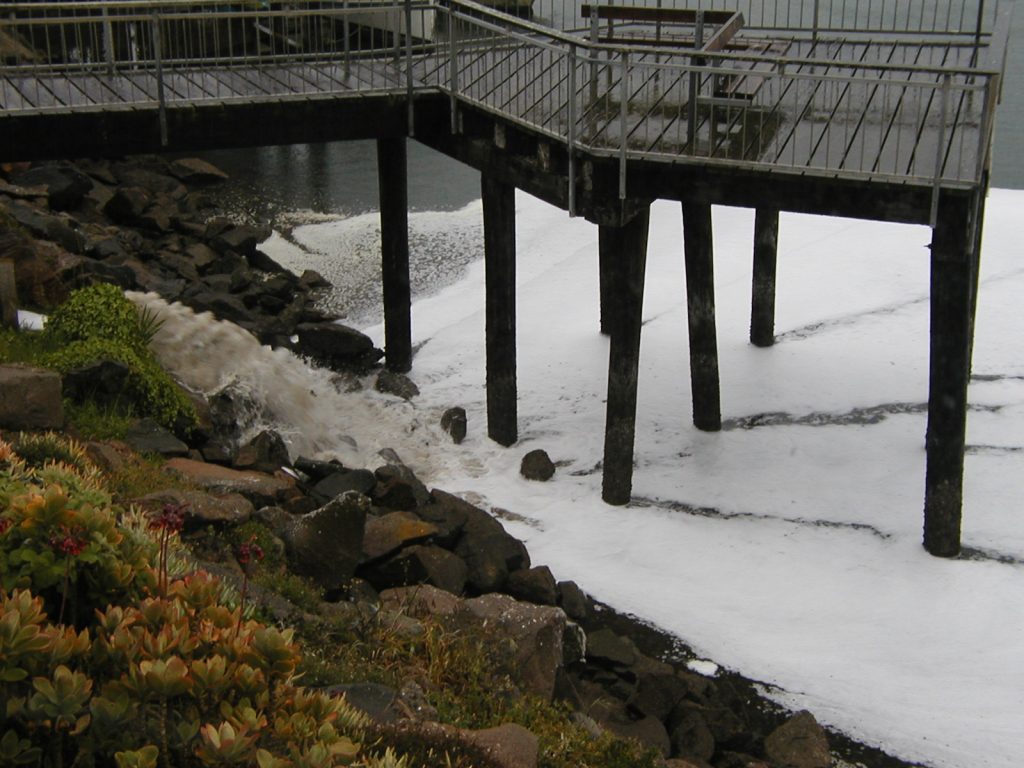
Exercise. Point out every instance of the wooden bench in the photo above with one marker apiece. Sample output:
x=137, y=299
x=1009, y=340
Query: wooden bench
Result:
x=725, y=23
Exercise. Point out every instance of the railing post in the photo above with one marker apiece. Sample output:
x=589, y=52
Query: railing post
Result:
x=453, y=66
x=817, y=8
x=158, y=60
x=571, y=131
x=345, y=31
x=623, y=114
x=940, y=150
x=408, y=66
x=985, y=127
x=108, y=41
x=979, y=25
x=594, y=29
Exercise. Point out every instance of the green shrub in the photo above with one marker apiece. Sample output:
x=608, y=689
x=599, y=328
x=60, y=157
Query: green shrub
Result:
x=153, y=673
x=99, y=422
x=98, y=311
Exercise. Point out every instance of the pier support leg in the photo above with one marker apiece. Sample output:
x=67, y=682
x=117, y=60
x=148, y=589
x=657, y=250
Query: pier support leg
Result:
x=500, y=268
x=394, y=237
x=762, y=303
x=626, y=261
x=607, y=244
x=700, y=301
x=952, y=291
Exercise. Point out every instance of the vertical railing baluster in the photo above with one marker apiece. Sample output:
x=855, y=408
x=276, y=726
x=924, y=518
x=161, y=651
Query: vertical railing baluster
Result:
x=453, y=65
x=940, y=148
x=345, y=33
x=623, y=115
x=408, y=66
x=158, y=61
x=571, y=131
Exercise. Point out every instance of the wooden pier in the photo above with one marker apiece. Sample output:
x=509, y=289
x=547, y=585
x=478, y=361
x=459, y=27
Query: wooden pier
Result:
x=883, y=115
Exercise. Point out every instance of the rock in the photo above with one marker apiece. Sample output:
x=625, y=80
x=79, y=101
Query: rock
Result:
x=316, y=470
x=201, y=255
x=398, y=384
x=65, y=186
x=223, y=306
x=147, y=436
x=609, y=649
x=447, y=520
x=419, y=565
x=36, y=268
x=389, y=533
x=30, y=398
x=798, y=743
x=102, y=381
x=264, y=453
x=264, y=263
x=534, y=585
x=537, y=465
x=105, y=456
x=377, y=701
x=691, y=737
x=420, y=601
x=196, y=172
x=331, y=344
x=326, y=544
x=574, y=644
x=261, y=489
x=57, y=229
x=509, y=745
x=453, y=421
x=127, y=205
x=658, y=693
x=489, y=551
x=648, y=731
x=310, y=280
x=201, y=509
x=360, y=480
x=536, y=631
x=398, y=488
x=573, y=600
x=240, y=238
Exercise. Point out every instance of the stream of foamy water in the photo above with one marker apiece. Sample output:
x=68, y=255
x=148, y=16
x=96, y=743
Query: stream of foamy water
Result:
x=319, y=414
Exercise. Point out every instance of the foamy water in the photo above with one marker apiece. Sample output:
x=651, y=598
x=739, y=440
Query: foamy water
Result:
x=310, y=407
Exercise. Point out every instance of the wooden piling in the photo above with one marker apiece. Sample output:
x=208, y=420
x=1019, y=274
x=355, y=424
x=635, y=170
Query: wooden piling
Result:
x=394, y=241
x=500, y=277
x=8, y=296
x=762, y=302
x=607, y=243
x=952, y=289
x=626, y=252
x=700, y=301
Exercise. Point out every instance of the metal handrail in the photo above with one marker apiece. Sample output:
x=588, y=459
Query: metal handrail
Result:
x=618, y=77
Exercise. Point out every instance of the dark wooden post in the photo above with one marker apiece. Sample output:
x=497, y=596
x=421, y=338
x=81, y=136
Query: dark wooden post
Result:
x=607, y=243
x=952, y=288
x=700, y=301
x=394, y=239
x=762, y=302
x=626, y=251
x=8, y=295
x=500, y=268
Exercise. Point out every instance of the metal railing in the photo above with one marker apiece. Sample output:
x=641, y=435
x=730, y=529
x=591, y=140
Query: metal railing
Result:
x=820, y=110
x=811, y=16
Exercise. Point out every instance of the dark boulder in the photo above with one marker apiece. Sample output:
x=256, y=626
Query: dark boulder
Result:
x=65, y=186
x=798, y=743
x=326, y=544
x=30, y=398
x=453, y=421
x=146, y=436
x=102, y=381
x=341, y=481
x=419, y=564
x=266, y=452
x=537, y=465
x=334, y=345
x=398, y=384
x=534, y=585
x=398, y=488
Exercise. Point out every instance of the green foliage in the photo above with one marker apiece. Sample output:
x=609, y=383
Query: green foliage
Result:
x=146, y=677
x=150, y=390
x=36, y=449
x=98, y=323
x=99, y=422
x=98, y=311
